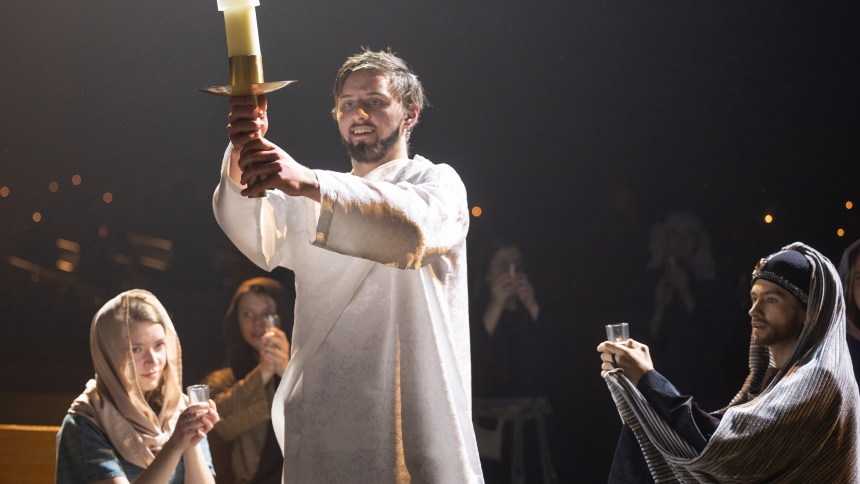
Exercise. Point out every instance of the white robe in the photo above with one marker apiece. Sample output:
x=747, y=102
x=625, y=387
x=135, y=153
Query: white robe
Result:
x=381, y=291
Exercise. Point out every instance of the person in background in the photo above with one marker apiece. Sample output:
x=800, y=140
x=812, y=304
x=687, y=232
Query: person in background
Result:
x=506, y=327
x=511, y=355
x=258, y=350
x=683, y=310
x=133, y=424
x=849, y=271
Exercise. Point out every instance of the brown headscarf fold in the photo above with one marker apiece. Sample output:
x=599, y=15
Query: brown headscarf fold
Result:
x=114, y=400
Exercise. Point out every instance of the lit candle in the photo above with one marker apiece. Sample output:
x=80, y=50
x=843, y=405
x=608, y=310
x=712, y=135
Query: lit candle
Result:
x=240, y=20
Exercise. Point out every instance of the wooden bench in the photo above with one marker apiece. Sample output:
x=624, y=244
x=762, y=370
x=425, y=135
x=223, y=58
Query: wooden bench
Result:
x=28, y=454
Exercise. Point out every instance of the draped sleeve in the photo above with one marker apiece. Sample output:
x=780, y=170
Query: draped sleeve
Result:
x=267, y=230
x=407, y=224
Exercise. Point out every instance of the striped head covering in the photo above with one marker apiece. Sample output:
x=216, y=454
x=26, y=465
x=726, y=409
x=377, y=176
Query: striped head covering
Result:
x=804, y=427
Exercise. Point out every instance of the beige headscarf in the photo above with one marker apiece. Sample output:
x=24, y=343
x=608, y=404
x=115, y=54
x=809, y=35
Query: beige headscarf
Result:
x=114, y=401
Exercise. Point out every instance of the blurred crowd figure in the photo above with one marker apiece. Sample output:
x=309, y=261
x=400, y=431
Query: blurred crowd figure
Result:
x=256, y=330
x=511, y=354
x=506, y=327
x=849, y=271
x=683, y=311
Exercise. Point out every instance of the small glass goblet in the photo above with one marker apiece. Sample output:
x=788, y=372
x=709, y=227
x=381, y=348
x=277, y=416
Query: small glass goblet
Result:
x=198, y=394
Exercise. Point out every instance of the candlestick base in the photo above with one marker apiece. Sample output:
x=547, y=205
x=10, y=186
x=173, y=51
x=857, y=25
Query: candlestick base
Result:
x=246, y=89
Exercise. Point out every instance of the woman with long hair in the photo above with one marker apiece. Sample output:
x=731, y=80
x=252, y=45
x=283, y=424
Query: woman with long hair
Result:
x=258, y=350
x=133, y=424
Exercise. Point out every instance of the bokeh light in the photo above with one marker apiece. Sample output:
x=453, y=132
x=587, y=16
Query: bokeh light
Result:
x=107, y=197
x=840, y=232
x=76, y=180
x=65, y=266
x=103, y=231
x=54, y=186
x=476, y=211
x=768, y=219
x=37, y=217
x=4, y=192
x=849, y=205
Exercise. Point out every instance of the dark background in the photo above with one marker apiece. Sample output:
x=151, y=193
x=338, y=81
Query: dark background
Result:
x=574, y=125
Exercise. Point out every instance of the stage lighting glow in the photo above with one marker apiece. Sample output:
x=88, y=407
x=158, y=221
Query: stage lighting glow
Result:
x=68, y=245
x=107, y=197
x=54, y=186
x=840, y=232
x=150, y=241
x=153, y=263
x=476, y=211
x=4, y=192
x=37, y=217
x=65, y=265
x=768, y=219
x=76, y=180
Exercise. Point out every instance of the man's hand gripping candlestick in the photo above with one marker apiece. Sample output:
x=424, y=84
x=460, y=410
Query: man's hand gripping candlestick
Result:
x=253, y=156
x=248, y=122
x=257, y=178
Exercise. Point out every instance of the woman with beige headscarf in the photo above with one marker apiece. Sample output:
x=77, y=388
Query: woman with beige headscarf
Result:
x=133, y=423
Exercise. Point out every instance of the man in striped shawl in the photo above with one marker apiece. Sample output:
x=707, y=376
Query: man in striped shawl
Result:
x=795, y=419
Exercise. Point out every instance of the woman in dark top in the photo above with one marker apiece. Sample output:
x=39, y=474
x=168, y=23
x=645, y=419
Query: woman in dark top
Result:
x=849, y=270
x=507, y=324
x=684, y=311
x=510, y=355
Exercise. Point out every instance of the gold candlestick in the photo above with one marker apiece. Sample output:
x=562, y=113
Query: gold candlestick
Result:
x=246, y=79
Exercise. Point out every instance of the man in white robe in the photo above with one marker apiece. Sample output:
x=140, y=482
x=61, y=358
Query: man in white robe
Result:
x=378, y=389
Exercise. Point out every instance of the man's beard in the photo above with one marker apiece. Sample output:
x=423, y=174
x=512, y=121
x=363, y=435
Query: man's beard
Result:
x=364, y=153
x=779, y=333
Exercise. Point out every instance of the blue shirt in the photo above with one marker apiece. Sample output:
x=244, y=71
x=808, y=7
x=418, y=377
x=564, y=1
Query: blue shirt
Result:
x=86, y=455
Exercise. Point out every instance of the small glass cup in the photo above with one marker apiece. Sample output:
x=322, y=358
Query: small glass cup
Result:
x=271, y=321
x=617, y=333
x=198, y=394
